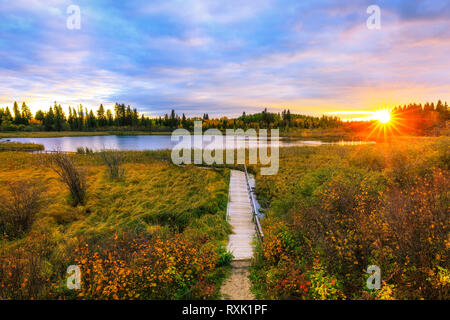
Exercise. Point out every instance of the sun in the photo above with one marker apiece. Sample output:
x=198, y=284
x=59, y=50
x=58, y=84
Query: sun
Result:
x=383, y=116
x=385, y=124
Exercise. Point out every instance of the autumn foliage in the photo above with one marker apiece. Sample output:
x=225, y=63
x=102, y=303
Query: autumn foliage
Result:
x=335, y=211
x=154, y=268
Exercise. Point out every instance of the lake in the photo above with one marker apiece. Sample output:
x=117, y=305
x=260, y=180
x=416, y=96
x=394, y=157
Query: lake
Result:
x=152, y=142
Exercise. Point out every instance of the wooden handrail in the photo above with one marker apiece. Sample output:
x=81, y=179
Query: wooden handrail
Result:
x=255, y=209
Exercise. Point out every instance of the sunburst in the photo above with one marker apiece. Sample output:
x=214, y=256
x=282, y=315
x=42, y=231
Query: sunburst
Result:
x=385, y=124
x=383, y=116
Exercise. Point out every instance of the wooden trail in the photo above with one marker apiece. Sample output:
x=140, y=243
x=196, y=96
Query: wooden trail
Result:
x=237, y=286
x=240, y=217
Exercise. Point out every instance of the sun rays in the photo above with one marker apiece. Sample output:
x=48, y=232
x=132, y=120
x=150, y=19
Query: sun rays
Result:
x=383, y=116
x=386, y=123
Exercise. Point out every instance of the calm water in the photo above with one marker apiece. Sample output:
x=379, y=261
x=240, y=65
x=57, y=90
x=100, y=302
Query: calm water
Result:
x=149, y=142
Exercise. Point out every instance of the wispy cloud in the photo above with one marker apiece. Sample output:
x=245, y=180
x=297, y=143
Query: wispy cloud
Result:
x=224, y=57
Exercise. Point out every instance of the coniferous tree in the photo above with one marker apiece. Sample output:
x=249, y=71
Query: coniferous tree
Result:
x=39, y=115
x=71, y=119
x=128, y=116
x=91, y=121
x=135, y=118
x=110, y=118
x=17, y=114
x=60, y=118
x=172, y=121
x=26, y=114
x=7, y=116
x=120, y=111
x=183, y=121
x=49, y=120
x=101, y=118
x=80, y=118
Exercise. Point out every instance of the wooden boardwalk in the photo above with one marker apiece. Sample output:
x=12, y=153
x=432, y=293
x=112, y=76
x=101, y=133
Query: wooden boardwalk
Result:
x=240, y=243
x=240, y=217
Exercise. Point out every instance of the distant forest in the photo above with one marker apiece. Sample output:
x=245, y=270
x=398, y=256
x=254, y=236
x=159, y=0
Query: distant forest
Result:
x=124, y=118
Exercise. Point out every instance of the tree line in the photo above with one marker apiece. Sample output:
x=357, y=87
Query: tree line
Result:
x=415, y=117
x=124, y=117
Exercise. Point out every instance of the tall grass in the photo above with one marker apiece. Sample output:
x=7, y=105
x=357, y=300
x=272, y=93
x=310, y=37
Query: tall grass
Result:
x=179, y=210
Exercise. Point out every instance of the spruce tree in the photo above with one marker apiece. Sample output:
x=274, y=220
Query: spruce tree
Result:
x=26, y=114
x=17, y=114
x=101, y=116
x=39, y=115
x=110, y=118
x=49, y=120
x=7, y=116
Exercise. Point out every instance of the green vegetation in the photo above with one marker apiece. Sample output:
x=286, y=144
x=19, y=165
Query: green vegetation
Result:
x=335, y=210
x=159, y=231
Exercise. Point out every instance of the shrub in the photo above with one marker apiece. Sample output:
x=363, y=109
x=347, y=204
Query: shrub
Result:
x=334, y=211
x=22, y=270
x=17, y=213
x=84, y=150
x=225, y=257
x=72, y=177
x=322, y=285
x=114, y=160
x=135, y=267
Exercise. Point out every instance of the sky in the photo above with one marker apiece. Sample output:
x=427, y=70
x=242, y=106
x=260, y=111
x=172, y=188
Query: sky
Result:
x=225, y=57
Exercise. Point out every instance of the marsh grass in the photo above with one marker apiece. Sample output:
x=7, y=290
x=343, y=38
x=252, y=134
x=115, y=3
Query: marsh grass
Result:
x=17, y=146
x=154, y=200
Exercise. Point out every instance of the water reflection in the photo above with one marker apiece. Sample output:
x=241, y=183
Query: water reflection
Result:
x=159, y=142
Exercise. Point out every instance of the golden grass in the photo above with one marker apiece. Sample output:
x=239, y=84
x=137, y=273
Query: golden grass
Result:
x=17, y=146
x=55, y=134
x=154, y=199
x=153, y=194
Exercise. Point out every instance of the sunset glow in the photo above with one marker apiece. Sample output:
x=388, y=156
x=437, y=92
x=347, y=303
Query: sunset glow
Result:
x=382, y=116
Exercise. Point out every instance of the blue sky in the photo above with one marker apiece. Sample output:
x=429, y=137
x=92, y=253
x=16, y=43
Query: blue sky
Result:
x=224, y=57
